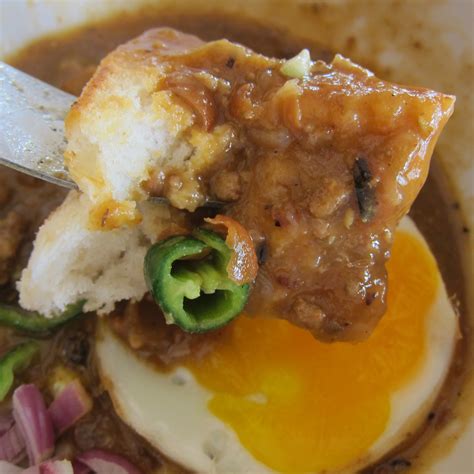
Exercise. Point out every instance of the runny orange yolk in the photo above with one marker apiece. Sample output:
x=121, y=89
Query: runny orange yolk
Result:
x=299, y=405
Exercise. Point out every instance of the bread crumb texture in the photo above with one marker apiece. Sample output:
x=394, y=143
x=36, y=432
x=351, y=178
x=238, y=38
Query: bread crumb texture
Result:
x=71, y=261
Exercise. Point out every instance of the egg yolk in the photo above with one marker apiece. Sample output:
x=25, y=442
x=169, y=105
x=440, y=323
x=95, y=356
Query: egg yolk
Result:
x=299, y=405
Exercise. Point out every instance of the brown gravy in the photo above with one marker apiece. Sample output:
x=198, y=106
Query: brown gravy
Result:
x=68, y=60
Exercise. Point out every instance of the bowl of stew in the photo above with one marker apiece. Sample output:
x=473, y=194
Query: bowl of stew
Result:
x=419, y=43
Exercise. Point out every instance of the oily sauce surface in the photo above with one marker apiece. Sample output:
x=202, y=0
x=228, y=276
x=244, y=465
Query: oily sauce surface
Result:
x=67, y=61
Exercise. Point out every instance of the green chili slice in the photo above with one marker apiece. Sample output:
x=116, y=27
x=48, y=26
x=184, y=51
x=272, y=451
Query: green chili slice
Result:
x=14, y=361
x=34, y=323
x=187, y=276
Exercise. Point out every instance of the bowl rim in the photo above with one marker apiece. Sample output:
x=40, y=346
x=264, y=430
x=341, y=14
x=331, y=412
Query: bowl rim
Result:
x=46, y=16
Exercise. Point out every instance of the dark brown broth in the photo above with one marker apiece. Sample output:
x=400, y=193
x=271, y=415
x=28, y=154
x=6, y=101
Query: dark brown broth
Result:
x=68, y=60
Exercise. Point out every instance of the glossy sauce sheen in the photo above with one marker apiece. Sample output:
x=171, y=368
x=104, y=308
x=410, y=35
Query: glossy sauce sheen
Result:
x=68, y=61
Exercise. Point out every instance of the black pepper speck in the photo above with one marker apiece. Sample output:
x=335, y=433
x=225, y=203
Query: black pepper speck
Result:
x=364, y=191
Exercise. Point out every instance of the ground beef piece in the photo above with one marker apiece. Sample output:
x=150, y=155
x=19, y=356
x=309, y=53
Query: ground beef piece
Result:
x=226, y=186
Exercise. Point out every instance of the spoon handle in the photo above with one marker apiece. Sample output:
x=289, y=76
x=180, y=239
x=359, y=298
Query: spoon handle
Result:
x=32, y=126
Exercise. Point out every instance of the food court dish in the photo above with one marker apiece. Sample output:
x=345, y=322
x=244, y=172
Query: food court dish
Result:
x=274, y=373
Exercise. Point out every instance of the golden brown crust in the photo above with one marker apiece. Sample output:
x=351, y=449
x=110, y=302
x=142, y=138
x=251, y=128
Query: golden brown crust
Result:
x=141, y=57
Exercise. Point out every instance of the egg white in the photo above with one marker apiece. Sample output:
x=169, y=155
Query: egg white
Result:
x=170, y=409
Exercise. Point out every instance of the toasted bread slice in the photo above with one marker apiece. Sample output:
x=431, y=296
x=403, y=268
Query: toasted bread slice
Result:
x=72, y=262
x=128, y=125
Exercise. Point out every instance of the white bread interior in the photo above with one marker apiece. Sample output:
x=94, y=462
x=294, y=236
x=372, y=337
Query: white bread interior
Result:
x=71, y=262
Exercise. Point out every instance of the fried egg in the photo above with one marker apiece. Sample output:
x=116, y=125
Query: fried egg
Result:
x=269, y=397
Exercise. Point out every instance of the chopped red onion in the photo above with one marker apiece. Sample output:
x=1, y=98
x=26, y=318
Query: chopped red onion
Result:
x=12, y=445
x=105, y=462
x=56, y=467
x=72, y=403
x=51, y=467
x=80, y=468
x=34, y=423
x=8, y=468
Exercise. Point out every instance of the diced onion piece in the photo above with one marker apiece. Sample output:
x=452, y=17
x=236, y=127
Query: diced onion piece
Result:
x=243, y=265
x=71, y=404
x=298, y=66
x=34, y=423
x=51, y=467
x=80, y=468
x=104, y=462
x=12, y=445
x=57, y=467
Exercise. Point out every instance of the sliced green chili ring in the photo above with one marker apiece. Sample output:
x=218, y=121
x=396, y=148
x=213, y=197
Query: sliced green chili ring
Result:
x=187, y=276
x=13, y=362
x=34, y=323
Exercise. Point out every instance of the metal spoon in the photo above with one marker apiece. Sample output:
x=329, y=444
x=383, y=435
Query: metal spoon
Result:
x=32, y=128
